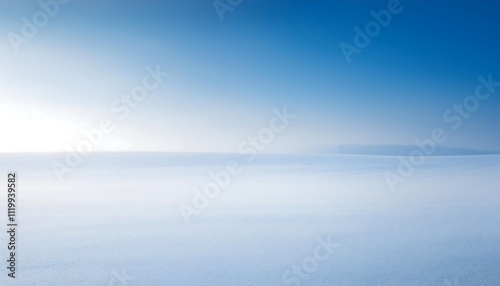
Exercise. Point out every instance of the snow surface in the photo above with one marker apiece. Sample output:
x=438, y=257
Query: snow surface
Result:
x=115, y=221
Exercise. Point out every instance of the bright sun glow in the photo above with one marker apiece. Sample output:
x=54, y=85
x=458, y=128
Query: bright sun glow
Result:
x=28, y=128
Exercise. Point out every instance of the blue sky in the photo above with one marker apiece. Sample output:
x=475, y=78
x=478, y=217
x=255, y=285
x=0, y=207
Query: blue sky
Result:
x=225, y=77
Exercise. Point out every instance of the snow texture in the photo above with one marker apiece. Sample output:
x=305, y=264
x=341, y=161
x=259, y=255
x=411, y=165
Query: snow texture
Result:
x=115, y=221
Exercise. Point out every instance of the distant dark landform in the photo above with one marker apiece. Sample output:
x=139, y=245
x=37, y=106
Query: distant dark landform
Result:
x=399, y=150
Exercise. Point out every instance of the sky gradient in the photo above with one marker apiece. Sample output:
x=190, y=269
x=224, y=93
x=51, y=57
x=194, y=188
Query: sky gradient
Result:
x=226, y=77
